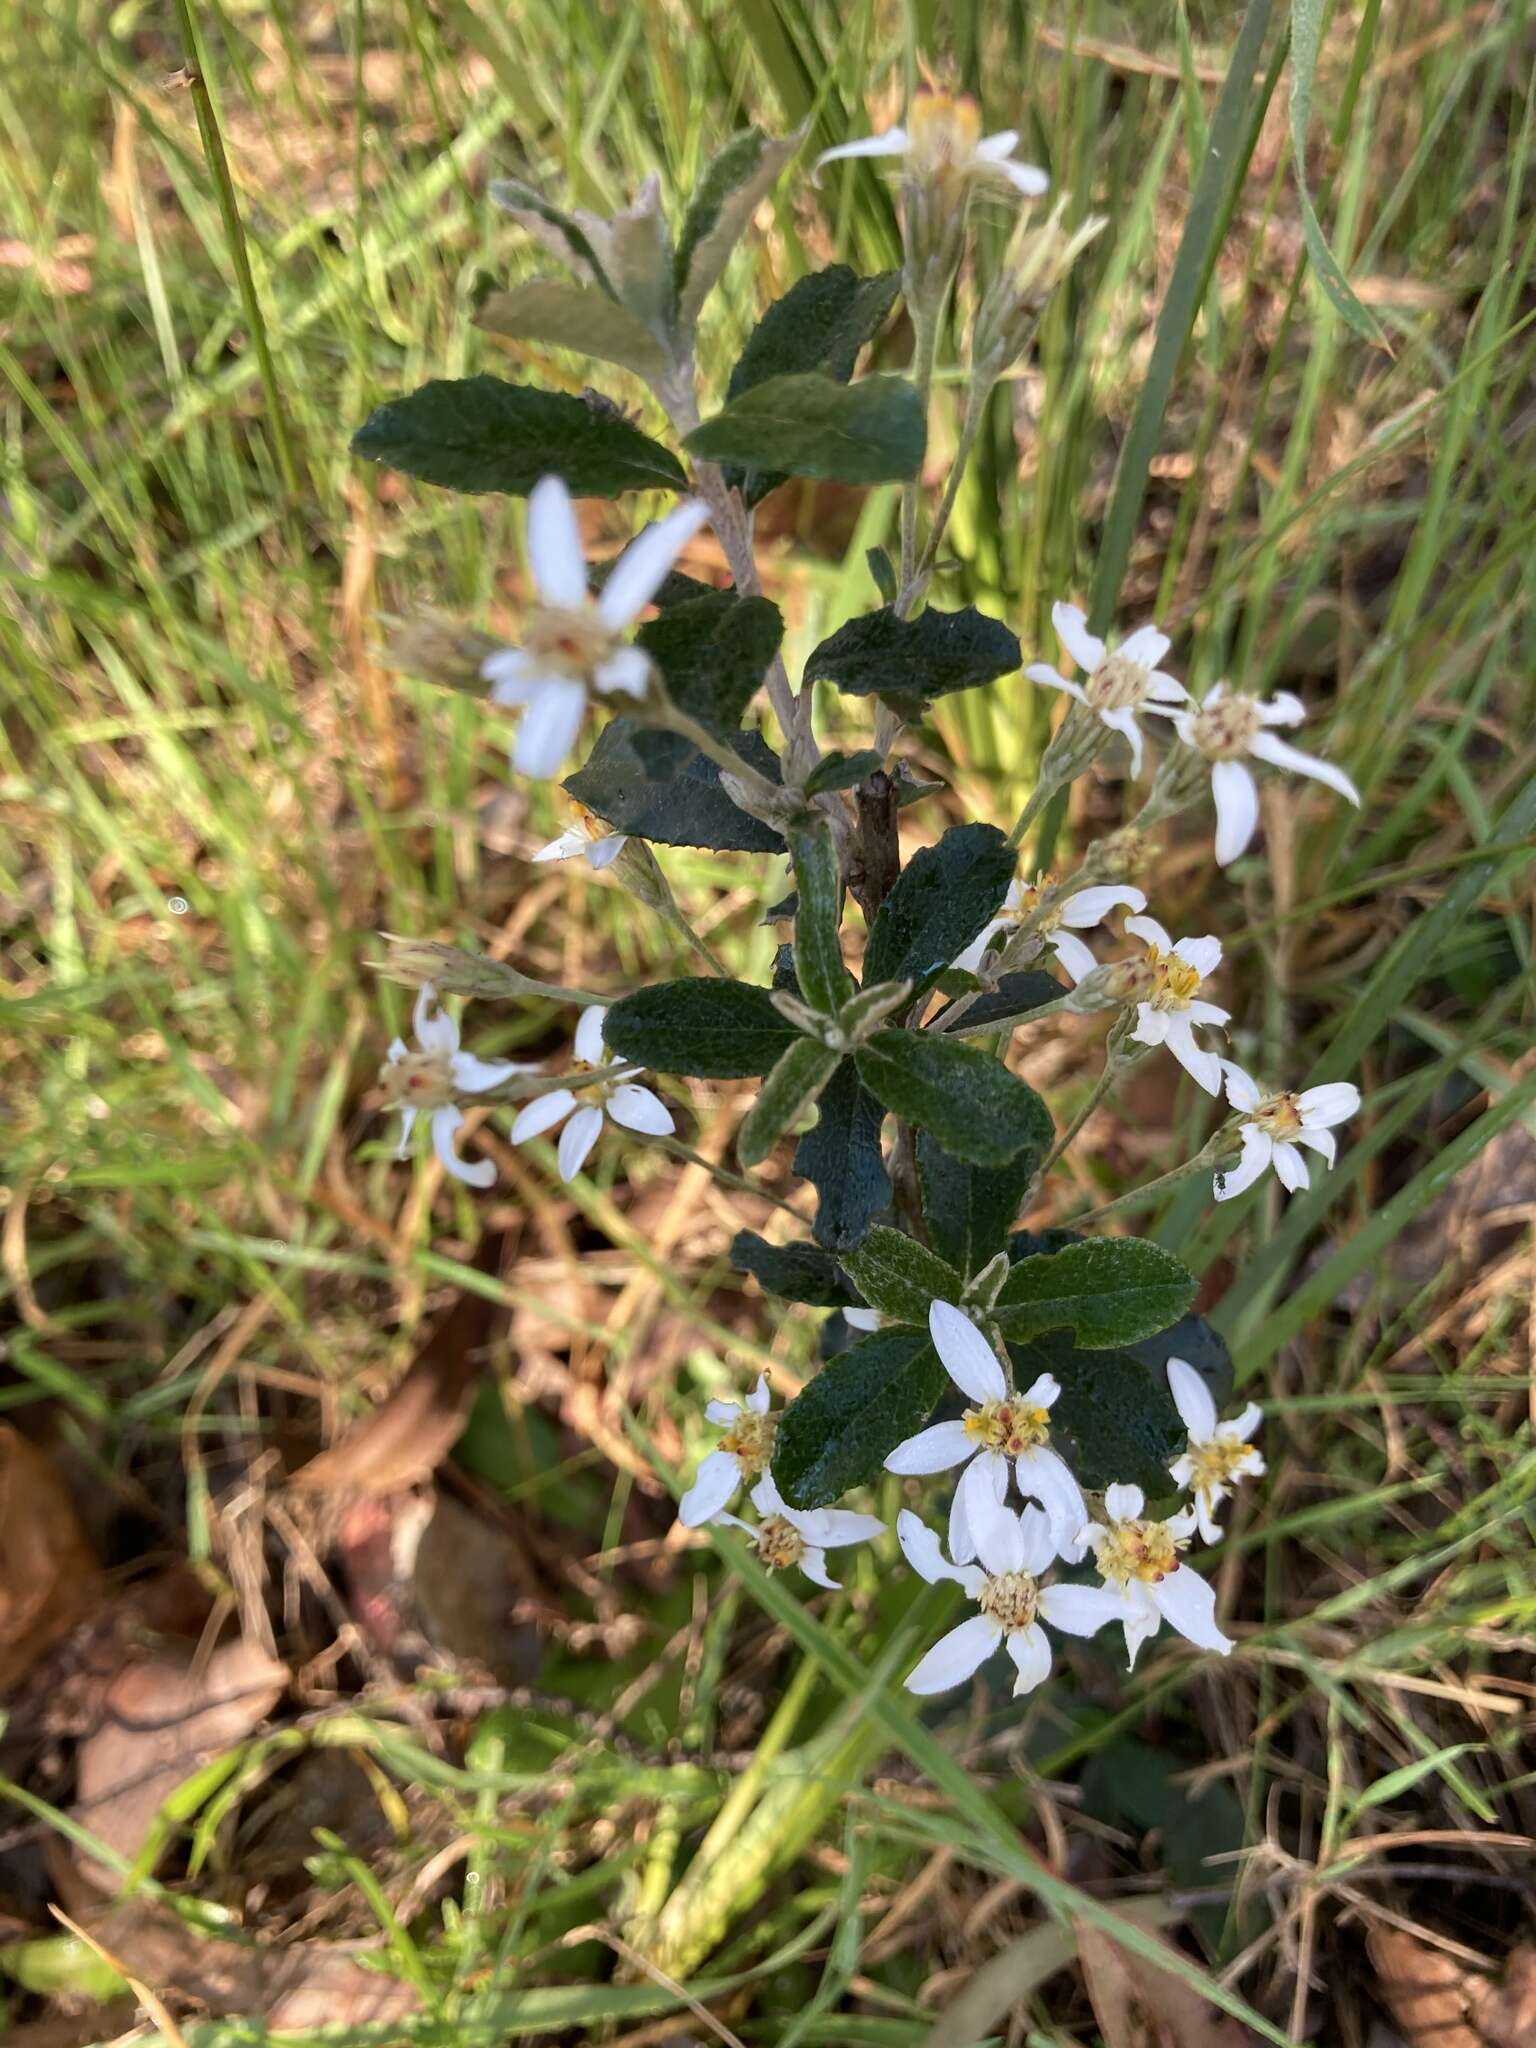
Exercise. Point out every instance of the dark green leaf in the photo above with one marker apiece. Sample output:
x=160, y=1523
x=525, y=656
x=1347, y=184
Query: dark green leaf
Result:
x=913, y=660
x=713, y=652
x=1015, y=996
x=900, y=1277
x=795, y=1272
x=1134, y=1785
x=1107, y=1290
x=971, y=1103
x=839, y=1432
x=842, y=1160
x=824, y=980
x=1307, y=18
x=660, y=787
x=865, y=433
x=842, y=771
x=942, y=899
x=483, y=434
x=883, y=570
x=575, y=316
x=552, y=227
x=1034, y=1244
x=723, y=202
x=1199, y=1344
x=712, y=1030
x=969, y=1209
x=1116, y=1414
x=802, y=1070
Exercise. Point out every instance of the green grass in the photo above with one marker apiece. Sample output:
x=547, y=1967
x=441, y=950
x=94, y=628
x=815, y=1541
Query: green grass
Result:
x=196, y=714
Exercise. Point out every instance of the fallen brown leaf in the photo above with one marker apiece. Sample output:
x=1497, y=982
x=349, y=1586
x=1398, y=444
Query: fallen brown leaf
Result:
x=1427, y=1992
x=408, y=1436
x=48, y=1578
x=1140, y=2006
x=162, y=1718
x=1506, y=2014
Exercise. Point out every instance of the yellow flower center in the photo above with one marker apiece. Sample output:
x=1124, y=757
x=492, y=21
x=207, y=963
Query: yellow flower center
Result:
x=750, y=1441
x=1009, y=1600
x=778, y=1544
x=1279, y=1116
x=1024, y=910
x=1175, y=983
x=420, y=1080
x=1217, y=1462
x=568, y=641
x=1139, y=1550
x=1117, y=684
x=944, y=130
x=1008, y=1426
x=1226, y=729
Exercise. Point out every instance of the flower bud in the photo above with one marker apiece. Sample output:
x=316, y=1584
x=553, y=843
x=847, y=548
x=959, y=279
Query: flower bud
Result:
x=1039, y=256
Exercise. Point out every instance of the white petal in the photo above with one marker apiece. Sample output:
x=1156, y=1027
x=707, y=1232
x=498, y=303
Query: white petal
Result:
x=1237, y=809
x=435, y=1030
x=1092, y=906
x=474, y=1076
x=638, y=1109
x=921, y=1548
x=967, y=1356
x=999, y=1539
x=1124, y=1503
x=1140, y=1621
x=1283, y=709
x=990, y=1471
x=1076, y=959
x=1150, y=932
x=1329, y=1104
x=1027, y=179
x=1205, y=1013
x=714, y=1483
x=589, y=1036
x=398, y=1050
x=407, y=1125
x=554, y=545
x=1279, y=755
x=1146, y=647
x=577, y=1140
x=862, y=1318
x=1151, y=1025
x=955, y=1657
x=992, y=148
x=1206, y=1504
x=1201, y=1066
x=937, y=1449
x=1242, y=1426
x=1043, y=1392
x=757, y=1400
x=1291, y=1168
x=1031, y=1654
x=1243, y=1092
x=1039, y=1540
x=1052, y=679
x=767, y=1499
x=970, y=960
x=813, y=1562
x=603, y=852
x=626, y=673
x=1072, y=631
x=1124, y=721
x=1203, y=954
x=566, y=847
x=837, y=1527
x=549, y=728
x=1164, y=689
x=1045, y=1477
x=726, y=1414
x=644, y=565
x=1320, y=1141
x=1189, y=1603
x=1192, y=1398
x=1080, y=1610
x=509, y=672
x=542, y=1114
x=445, y=1126
x=892, y=143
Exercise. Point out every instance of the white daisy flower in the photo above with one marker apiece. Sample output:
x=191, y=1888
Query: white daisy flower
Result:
x=943, y=140
x=1226, y=726
x=1273, y=1126
x=1076, y=913
x=999, y=1427
x=1121, y=681
x=1015, y=1549
x=637, y=1109
x=1140, y=1558
x=786, y=1535
x=585, y=835
x=429, y=1081
x=572, y=644
x=741, y=1454
x=1172, y=1010
x=1218, y=1453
